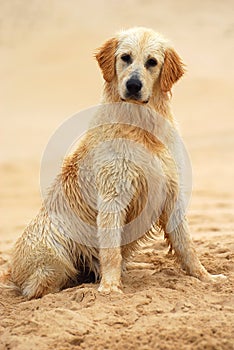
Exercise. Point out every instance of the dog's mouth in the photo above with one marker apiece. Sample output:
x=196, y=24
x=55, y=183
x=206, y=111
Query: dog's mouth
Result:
x=134, y=99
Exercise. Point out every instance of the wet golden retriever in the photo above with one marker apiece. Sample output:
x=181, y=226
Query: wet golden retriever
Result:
x=111, y=190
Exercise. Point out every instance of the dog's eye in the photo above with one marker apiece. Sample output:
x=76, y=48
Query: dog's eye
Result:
x=152, y=62
x=126, y=58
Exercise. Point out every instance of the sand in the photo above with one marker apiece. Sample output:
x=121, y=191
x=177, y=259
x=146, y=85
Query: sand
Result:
x=47, y=74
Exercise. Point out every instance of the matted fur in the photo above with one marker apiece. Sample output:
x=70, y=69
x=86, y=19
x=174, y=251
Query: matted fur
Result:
x=46, y=258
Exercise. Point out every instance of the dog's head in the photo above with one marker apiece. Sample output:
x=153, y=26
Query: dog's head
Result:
x=138, y=61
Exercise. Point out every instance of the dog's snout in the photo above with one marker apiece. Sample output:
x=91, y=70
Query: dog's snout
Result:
x=133, y=86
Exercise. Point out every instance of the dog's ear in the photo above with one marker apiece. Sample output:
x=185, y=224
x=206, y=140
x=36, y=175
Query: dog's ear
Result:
x=172, y=70
x=106, y=58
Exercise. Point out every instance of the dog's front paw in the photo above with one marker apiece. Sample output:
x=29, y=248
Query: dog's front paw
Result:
x=213, y=278
x=108, y=288
x=218, y=278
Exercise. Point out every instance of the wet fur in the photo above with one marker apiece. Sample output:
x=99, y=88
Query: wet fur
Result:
x=45, y=258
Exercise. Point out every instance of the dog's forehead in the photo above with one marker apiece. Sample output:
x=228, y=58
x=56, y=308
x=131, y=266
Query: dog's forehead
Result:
x=138, y=41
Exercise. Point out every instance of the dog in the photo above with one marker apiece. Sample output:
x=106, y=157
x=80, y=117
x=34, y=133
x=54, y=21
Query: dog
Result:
x=101, y=189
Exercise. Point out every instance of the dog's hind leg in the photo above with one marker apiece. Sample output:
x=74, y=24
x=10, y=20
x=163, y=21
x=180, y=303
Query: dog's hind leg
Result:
x=37, y=269
x=40, y=280
x=43, y=281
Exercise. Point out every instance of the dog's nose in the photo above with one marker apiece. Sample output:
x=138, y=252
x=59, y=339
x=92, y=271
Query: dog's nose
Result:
x=133, y=86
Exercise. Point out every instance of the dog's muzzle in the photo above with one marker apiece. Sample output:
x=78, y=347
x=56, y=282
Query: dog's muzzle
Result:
x=133, y=88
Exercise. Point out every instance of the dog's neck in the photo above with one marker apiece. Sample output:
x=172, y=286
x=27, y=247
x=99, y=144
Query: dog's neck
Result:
x=160, y=101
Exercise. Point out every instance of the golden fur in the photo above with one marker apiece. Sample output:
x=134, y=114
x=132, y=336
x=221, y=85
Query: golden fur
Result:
x=46, y=258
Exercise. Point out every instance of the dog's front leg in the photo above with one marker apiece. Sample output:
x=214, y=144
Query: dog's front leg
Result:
x=181, y=242
x=109, y=236
x=110, y=260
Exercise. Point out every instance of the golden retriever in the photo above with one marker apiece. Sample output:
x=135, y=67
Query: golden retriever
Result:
x=105, y=185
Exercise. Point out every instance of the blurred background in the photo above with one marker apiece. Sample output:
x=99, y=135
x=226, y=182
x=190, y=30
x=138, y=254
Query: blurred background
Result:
x=48, y=73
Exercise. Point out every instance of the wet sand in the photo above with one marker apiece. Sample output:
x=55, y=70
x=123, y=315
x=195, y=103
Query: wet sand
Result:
x=48, y=74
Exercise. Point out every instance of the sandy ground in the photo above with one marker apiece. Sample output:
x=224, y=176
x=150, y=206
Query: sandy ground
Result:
x=47, y=74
